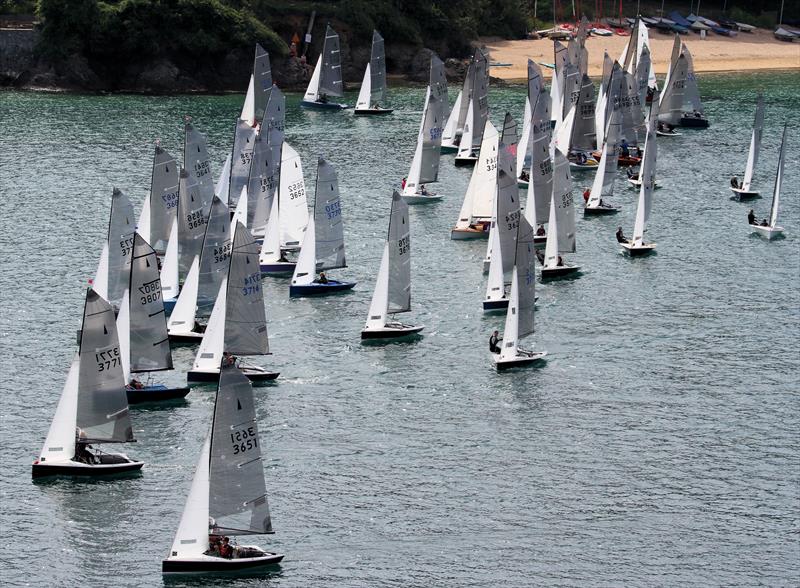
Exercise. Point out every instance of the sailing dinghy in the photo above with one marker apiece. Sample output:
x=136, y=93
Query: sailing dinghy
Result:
x=238, y=323
x=471, y=140
x=182, y=326
x=228, y=496
x=288, y=217
x=425, y=165
x=771, y=231
x=561, y=224
x=142, y=329
x=637, y=246
x=327, y=78
x=323, y=245
x=474, y=219
x=115, y=257
x=603, y=185
x=93, y=407
x=744, y=192
x=505, y=226
x=519, y=316
x=373, y=87
x=392, y=293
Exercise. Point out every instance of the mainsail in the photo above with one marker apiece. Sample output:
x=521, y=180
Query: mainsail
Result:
x=102, y=415
x=198, y=164
x=293, y=202
x=121, y=227
x=245, y=315
x=241, y=158
x=329, y=230
x=330, y=81
x=163, y=197
x=149, y=343
x=399, y=240
x=262, y=77
x=377, y=67
x=192, y=214
x=237, y=488
x=755, y=144
x=647, y=175
x=214, y=256
x=540, y=185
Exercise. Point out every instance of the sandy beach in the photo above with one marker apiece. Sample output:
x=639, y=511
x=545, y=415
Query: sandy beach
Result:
x=746, y=52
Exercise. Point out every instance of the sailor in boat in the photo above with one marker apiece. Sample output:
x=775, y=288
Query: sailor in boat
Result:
x=621, y=238
x=494, y=342
x=540, y=231
x=321, y=279
x=83, y=455
x=228, y=359
x=764, y=223
x=560, y=262
x=751, y=217
x=134, y=384
x=403, y=184
x=323, y=98
x=540, y=256
x=623, y=149
x=198, y=327
x=631, y=174
x=423, y=190
x=283, y=258
x=524, y=176
x=586, y=193
x=735, y=183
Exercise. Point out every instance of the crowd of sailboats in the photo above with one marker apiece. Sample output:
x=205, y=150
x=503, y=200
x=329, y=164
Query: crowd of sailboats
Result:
x=189, y=269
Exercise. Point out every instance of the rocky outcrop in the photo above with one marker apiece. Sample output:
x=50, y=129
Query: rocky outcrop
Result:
x=17, y=56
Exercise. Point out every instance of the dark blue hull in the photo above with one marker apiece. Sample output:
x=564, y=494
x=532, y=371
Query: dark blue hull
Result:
x=489, y=305
x=698, y=122
x=323, y=105
x=155, y=393
x=315, y=289
x=223, y=566
x=373, y=111
x=208, y=377
x=169, y=305
x=278, y=269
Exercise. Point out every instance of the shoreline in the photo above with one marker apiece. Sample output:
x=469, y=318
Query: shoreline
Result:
x=747, y=52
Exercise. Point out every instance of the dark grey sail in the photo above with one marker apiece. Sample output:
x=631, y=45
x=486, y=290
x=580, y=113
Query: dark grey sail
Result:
x=608, y=65
x=399, y=256
x=263, y=183
x=237, y=491
x=102, y=415
x=432, y=127
x=509, y=135
x=214, y=256
x=163, y=197
x=377, y=70
x=121, y=227
x=438, y=84
x=329, y=230
x=632, y=113
x=149, y=342
x=241, y=157
x=245, y=315
x=643, y=74
x=614, y=95
x=541, y=172
x=262, y=81
x=192, y=214
x=480, y=102
x=198, y=164
x=526, y=277
x=466, y=97
x=572, y=87
x=330, y=81
x=508, y=205
x=583, y=129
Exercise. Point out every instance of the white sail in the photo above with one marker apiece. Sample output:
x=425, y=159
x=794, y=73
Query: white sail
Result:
x=100, y=281
x=647, y=175
x=563, y=132
x=143, y=226
x=603, y=185
x=465, y=145
x=449, y=134
x=480, y=192
x=306, y=268
x=540, y=185
x=191, y=539
x=692, y=95
x=124, y=334
x=776, y=192
x=209, y=354
x=248, y=113
x=582, y=138
x=365, y=93
x=755, y=144
x=224, y=180
x=425, y=165
x=312, y=92
x=59, y=446
x=379, y=305
x=523, y=147
x=271, y=245
x=495, y=284
x=293, y=202
x=170, y=285
x=185, y=311
x=522, y=295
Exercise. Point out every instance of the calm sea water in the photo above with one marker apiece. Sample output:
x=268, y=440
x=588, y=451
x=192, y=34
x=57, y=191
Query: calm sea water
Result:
x=658, y=445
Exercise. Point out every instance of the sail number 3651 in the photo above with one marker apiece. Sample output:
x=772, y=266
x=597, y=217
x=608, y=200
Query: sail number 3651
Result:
x=244, y=440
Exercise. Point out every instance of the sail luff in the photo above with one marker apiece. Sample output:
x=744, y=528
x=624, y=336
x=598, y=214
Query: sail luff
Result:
x=245, y=314
x=776, y=192
x=121, y=228
x=377, y=65
x=330, y=82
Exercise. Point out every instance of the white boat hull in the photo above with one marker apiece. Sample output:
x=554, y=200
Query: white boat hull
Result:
x=638, y=250
x=745, y=194
x=421, y=199
x=522, y=359
x=211, y=565
x=769, y=233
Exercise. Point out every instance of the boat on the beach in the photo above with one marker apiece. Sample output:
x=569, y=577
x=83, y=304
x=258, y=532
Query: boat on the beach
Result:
x=326, y=81
x=784, y=35
x=373, y=86
x=93, y=407
x=770, y=230
x=392, y=294
x=228, y=496
x=742, y=191
x=323, y=245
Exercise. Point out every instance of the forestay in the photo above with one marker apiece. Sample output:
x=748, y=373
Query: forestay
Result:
x=149, y=343
x=102, y=415
x=245, y=315
x=237, y=488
